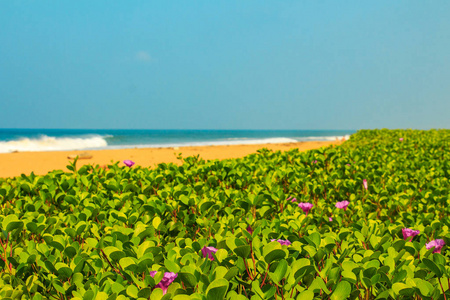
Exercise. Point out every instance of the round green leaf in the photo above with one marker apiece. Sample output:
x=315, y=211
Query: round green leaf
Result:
x=188, y=279
x=342, y=291
x=156, y=222
x=132, y=291
x=242, y=251
x=171, y=266
x=275, y=254
x=217, y=289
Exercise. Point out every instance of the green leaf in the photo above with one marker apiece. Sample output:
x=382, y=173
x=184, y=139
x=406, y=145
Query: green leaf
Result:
x=242, y=251
x=11, y=222
x=48, y=264
x=232, y=272
x=144, y=293
x=132, y=291
x=257, y=289
x=400, y=288
x=349, y=276
x=273, y=251
x=221, y=254
x=157, y=294
x=156, y=222
x=297, y=265
x=205, y=206
x=318, y=284
x=114, y=253
x=128, y=263
x=25, y=187
x=101, y=296
x=235, y=296
x=171, y=266
x=188, y=279
x=64, y=272
x=217, y=289
x=342, y=291
x=70, y=199
x=58, y=286
x=432, y=266
x=275, y=254
x=279, y=272
x=313, y=239
x=81, y=226
x=180, y=297
x=306, y=295
x=425, y=288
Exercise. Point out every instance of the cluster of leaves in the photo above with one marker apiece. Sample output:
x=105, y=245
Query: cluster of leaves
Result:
x=97, y=233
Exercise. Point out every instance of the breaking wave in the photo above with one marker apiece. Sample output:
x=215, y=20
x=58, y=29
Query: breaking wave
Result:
x=98, y=141
x=49, y=143
x=232, y=141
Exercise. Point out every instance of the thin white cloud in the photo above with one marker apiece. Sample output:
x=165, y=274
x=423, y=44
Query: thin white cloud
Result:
x=143, y=56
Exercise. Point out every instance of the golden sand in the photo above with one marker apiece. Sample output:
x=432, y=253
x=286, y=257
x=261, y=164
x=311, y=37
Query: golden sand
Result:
x=15, y=164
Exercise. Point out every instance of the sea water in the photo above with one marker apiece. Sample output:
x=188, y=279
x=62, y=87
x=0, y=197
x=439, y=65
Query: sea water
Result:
x=12, y=140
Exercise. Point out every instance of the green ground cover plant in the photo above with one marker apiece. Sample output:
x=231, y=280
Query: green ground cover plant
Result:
x=364, y=220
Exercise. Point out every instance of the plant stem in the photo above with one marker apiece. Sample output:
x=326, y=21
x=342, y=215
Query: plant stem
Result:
x=442, y=288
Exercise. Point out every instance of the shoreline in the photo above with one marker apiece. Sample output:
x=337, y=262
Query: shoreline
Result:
x=17, y=163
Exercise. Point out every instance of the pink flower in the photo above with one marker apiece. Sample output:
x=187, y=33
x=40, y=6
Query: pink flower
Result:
x=409, y=233
x=292, y=199
x=400, y=139
x=305, y=206
x=282, y=242
x=128, y=163
x=437, y=244
x=330, y=219
x=365, y=184
x=315, y=162
x=168, y=278
x=208, y=251
x=342, y=204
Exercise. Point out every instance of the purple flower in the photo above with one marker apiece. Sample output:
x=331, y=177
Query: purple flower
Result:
x=330, y=219
x=249, y=229
x=342, y=204
x=400, y=139
x=409, y=233
x=208, y=251
x=128, y=163
x=282, y=242
x=168, y=278
x=365, y=184
x=437, y=244
x=305, y=206
x=292, y=199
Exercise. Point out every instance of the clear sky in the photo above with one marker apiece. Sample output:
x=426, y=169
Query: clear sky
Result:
x=225, y=64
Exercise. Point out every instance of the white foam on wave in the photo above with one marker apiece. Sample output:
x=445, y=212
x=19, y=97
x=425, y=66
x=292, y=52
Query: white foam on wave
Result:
x=234, y=141
x=228, y=142
x=324, y=138
x=279, y=140
x=49, y=143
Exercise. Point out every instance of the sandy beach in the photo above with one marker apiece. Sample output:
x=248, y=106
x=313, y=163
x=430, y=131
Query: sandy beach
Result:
x=15, y=164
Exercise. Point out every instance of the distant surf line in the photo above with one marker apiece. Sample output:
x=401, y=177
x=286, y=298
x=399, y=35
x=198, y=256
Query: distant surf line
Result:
x=120, y=139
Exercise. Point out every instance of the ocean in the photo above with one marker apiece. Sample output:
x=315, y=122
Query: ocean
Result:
x=12, y=140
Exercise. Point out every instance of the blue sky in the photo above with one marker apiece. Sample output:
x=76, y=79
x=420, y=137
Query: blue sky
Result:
x=225, y=64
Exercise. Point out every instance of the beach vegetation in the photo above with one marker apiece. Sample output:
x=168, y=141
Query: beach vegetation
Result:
x=271, y=225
